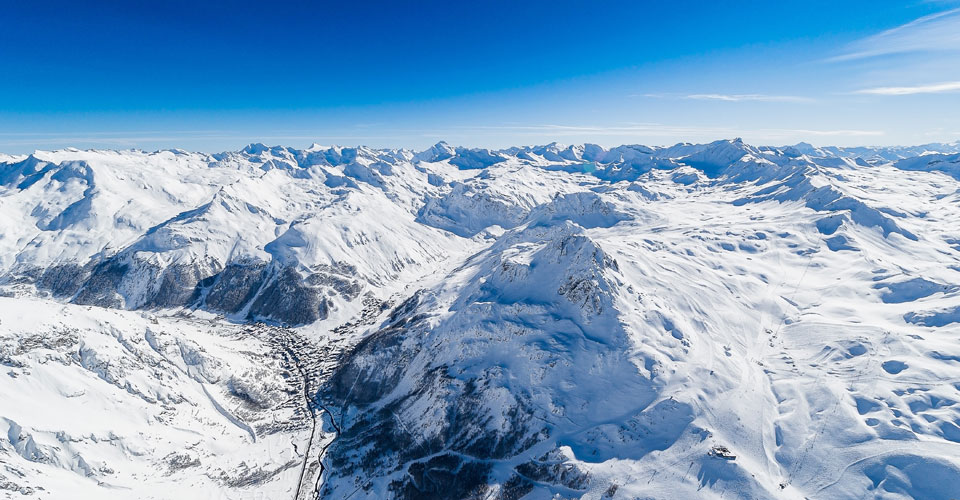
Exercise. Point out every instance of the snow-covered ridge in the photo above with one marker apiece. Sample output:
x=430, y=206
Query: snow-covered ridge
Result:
x=700, y=320
x=134, y=229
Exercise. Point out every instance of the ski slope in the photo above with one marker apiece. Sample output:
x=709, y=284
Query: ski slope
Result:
x=696, y=321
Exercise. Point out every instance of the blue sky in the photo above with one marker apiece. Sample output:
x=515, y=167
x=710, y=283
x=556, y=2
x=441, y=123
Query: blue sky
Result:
x=214, y=76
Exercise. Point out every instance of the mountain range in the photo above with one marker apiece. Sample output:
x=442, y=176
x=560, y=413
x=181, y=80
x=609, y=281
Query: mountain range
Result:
x=695, y=321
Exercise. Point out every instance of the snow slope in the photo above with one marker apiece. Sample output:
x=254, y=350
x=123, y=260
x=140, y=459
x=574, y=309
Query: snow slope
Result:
x=696, y=321
x=105, y=403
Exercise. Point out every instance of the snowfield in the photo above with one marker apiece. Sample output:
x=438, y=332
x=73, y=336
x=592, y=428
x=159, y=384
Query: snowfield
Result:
x=102, y=403
x=698, y=321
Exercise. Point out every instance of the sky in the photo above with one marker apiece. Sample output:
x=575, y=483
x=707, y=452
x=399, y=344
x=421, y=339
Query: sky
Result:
x=215, y=76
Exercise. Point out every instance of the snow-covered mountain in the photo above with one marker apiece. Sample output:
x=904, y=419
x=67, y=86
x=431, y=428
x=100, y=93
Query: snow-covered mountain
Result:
x=694, y=321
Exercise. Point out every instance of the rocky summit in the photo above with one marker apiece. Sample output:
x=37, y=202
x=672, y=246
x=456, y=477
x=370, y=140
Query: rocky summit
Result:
x=695, y=321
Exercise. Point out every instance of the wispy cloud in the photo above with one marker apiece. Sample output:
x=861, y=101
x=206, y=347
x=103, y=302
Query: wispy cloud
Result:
x=748, y=97
x=729, y=97
x=663, y=130
x=496, y=134
x=933, y=88
x=834, y=133
x=936, y=32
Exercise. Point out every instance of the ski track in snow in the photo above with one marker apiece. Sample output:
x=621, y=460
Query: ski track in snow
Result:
x=535, y=322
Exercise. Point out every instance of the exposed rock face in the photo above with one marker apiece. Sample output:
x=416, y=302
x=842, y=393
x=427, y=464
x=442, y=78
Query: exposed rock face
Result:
x=695, y=321
x=63, y=280
x=424, y=414
x=101, y=287
x=266, y=292
x=193, y=407
x=234, y=287
x=132, y=282
x=288, y=299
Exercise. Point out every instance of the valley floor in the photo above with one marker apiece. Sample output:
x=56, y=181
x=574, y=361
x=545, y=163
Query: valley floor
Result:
x=699, y=321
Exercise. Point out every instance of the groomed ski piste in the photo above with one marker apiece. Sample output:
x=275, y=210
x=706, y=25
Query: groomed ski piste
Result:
x=697, y=321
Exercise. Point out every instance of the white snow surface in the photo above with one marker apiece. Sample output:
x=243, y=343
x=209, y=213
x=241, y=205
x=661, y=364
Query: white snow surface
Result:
x=100, y=403
x=604, y=320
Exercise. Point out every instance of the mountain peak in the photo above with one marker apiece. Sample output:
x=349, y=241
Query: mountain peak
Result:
x=467, y=323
